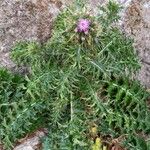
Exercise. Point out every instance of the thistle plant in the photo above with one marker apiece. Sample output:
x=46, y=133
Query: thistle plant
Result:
x=80, y=85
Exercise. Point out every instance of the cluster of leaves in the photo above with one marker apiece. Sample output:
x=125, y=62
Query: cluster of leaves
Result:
x=18, y=113
x=127, y=112
x=11, y=91
x=76, y=82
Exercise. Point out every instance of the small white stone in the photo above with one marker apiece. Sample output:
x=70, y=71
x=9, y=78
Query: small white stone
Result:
x=26, y=147
x=147, y=5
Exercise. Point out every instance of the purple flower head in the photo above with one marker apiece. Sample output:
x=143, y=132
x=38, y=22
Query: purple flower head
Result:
x=83, y=26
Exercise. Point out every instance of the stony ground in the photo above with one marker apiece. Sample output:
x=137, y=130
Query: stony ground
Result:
x=32, y=20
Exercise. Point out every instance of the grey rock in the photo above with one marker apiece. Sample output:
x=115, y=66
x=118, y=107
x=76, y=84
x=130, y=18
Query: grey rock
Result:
x=21, y=20
x=31, y=142
x=136, y=24
x=24, y=148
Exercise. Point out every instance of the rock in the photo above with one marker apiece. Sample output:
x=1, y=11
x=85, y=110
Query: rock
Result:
x=25, y=148
x=6, y=61
x=31, y=142
x=24, y=20
x=136, y=24
x=1, y=148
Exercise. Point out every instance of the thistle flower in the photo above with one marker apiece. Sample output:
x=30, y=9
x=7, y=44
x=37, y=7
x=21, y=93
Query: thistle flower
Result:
x=83, y=26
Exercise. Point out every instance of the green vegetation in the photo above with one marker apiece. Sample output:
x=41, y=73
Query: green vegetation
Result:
x=79, y=86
